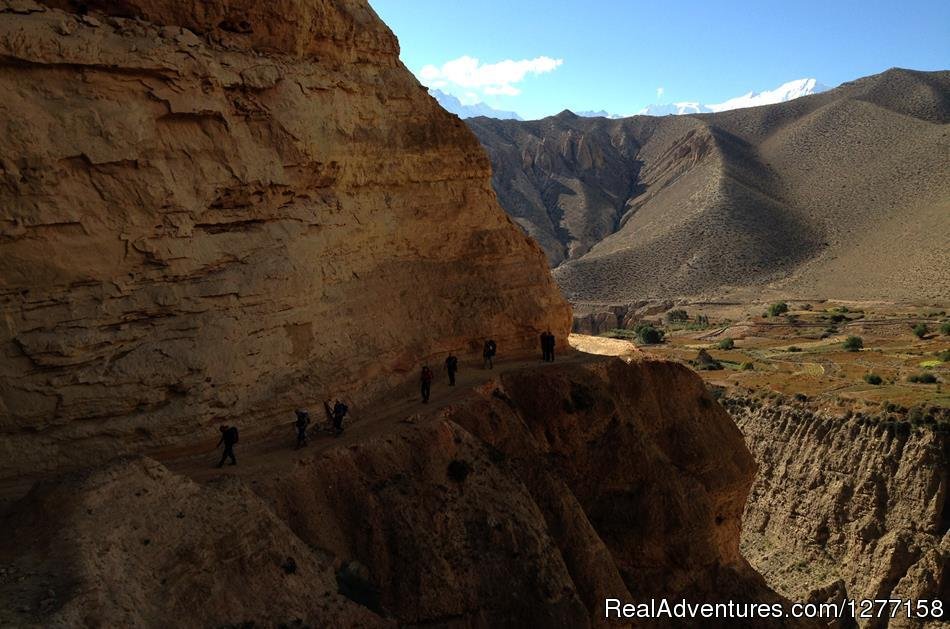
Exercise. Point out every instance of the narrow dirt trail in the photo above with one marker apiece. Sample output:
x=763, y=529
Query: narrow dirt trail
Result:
x=274, y=453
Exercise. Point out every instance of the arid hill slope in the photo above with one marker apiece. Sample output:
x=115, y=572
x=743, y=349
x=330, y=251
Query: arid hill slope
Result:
x=841, y=194
x=228, y=209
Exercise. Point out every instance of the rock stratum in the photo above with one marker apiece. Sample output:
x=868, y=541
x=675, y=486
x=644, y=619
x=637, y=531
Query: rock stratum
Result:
x=526, y=504
x=803, y=199
x=219, y=210
x=846, y=507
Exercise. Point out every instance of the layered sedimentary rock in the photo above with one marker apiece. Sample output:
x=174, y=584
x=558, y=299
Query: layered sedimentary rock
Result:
x=226, y=209
x=524, y=505
x=846, y=507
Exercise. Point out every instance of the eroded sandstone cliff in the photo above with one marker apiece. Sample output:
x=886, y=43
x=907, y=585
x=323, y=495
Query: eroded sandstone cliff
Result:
x=525, y=504
x=846, y=506
x=227, y=209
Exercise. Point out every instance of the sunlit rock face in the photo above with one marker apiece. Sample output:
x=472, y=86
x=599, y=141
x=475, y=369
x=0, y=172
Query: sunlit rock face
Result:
x=226, y=209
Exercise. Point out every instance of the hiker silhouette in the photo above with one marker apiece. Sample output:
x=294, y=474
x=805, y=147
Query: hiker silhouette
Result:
x=488, y=353
x=547, y=346
x=452, y=366
x=229, y=437
x=339, y=412
x=303, y=421
x=425, y=381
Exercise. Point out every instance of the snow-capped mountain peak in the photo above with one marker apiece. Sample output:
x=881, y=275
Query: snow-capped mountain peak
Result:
x=783, y=93
x=454, y=105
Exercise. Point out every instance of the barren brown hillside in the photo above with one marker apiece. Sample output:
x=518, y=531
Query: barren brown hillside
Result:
x=844, y=193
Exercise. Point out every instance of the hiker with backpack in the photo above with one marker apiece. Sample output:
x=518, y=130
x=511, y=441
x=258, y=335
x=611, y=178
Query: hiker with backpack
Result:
x=426, y=382
x=452, y=366
x=303, y=421
x=339, y=412
x=488, y=353
x=229, y=437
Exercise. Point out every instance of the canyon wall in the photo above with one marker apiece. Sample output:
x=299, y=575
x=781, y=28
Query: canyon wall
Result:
x=219, y=210
x=847, y=506
x=526, y=504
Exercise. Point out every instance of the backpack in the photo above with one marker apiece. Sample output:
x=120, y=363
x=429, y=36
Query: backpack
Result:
x=234, y=433
x=491, y=348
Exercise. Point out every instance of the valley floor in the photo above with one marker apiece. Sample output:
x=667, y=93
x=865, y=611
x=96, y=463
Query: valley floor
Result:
x=802, y=352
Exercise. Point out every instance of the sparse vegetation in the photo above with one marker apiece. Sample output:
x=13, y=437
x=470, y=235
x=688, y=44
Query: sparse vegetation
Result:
x=459, y=470
x=854, y=343
x=920, y=330
x=677, y=316
x=764, y=356
x=647, y=334
x=945, y=328
x=778, y=308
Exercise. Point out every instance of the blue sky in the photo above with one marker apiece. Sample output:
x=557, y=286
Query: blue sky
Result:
x=616, y=54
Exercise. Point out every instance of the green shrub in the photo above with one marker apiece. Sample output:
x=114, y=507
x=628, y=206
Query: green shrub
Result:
x=853, y=343
x=746, y=366
x=677, y=316
x=726, y=343
x=920, y=330
x=944, y=355
x=778, y=308
x=794, y=348
x=922, y=378
x=873, y=378
x=945, y=328
x=648, y=335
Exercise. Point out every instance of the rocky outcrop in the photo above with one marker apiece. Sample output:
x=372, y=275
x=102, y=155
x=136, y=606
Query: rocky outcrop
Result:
x=226, y=209
x=850, y=505
x=598, y=318
x=133, y=545
x=526, y=504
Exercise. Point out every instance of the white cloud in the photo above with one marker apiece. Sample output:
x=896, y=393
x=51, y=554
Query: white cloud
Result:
x=659, y=92
x=494, y=79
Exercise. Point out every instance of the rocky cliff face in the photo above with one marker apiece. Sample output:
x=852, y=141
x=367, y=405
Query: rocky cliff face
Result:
x=227, y=209
x=526, y=504
x=846, y=507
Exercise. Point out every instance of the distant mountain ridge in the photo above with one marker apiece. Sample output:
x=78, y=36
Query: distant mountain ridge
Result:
x=453, y=105
x=783, y=93
x=839, y=194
